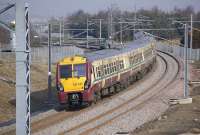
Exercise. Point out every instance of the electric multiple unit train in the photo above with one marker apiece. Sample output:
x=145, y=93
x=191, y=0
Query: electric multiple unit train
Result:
x=87, y=78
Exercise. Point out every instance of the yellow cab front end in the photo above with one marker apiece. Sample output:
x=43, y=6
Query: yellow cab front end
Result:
x=71, y=80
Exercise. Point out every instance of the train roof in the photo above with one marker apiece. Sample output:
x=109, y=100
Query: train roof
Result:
x=106, y=53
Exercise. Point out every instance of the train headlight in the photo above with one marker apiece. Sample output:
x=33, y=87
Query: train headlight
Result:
x=60, y=87
x=87, y=85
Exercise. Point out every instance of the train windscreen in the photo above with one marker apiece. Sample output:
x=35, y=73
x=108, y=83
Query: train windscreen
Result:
x=79, y=70
x=66, y=71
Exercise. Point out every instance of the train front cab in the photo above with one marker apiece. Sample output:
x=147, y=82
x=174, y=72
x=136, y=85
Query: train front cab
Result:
x=72, y=80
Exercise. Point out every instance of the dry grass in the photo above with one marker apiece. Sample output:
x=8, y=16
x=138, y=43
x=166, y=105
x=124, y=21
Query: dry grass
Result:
x=7, y=90
x=173, y=42
x=179, y=119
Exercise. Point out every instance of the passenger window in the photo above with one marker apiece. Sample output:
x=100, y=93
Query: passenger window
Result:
x=108, y=69
x=120, y=65
x=99, y=73
x=101, y=70
x=112, y=68
x=96, y=71
x=115, y=68
x=105, y=71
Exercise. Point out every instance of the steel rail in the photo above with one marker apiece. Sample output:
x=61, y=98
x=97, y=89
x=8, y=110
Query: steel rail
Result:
x=122, y=105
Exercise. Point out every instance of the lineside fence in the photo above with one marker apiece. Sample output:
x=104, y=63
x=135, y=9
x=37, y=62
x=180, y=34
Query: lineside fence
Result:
x=40, y=54
x=179, y=51
x=5, y=46
x=58, y=52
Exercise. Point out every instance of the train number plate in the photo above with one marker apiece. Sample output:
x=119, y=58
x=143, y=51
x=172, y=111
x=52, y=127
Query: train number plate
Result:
x=75, y=97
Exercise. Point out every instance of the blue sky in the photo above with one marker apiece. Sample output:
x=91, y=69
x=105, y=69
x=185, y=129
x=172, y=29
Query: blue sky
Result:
x=64, y=7
x=57, y=8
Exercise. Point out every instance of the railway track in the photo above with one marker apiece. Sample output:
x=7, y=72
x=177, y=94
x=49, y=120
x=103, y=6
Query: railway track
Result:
x=89, y=119
x=134, y=103
x=151, y=93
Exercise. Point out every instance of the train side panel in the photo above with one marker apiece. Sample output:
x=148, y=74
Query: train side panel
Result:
x=101, y=76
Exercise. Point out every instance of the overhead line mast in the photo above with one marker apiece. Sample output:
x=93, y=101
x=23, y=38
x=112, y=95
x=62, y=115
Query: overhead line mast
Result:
x=22, y=69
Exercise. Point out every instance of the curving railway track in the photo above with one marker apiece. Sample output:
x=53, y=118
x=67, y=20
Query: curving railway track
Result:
x=138, y=102
x=134, y=103
x=91, y=120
